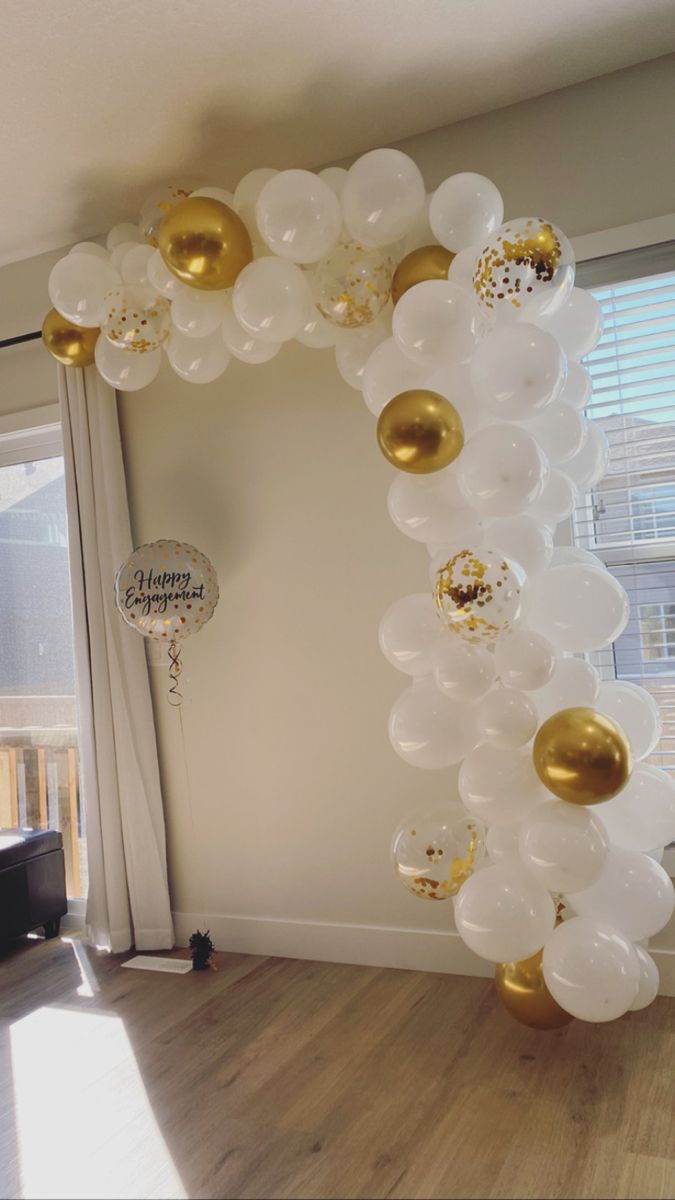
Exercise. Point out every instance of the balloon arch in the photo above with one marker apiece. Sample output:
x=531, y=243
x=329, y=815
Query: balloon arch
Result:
x=465, y=335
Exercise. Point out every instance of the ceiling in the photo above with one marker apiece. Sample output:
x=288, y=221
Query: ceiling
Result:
x=100, y=101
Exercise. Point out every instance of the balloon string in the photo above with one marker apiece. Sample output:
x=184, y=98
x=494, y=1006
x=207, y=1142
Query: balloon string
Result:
x=175, y=668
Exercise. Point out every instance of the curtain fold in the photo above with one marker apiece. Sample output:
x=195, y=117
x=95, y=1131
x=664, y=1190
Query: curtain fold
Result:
x=128, y=902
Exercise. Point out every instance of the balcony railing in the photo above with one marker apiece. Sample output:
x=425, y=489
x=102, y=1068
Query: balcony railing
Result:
x=40, y=789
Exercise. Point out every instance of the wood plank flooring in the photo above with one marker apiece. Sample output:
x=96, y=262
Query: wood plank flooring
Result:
x=281, y=1078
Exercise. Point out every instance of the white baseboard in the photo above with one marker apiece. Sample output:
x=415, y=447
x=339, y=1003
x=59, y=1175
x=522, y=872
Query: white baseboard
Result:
x=365, y=945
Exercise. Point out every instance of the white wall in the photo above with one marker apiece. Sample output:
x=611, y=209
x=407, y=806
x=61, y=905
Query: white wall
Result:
x=282, y=798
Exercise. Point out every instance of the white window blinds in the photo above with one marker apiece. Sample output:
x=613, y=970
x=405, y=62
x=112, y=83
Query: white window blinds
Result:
x=628, y=520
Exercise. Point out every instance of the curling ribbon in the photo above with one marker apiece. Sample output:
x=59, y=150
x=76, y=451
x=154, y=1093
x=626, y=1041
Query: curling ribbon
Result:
x=175, y=669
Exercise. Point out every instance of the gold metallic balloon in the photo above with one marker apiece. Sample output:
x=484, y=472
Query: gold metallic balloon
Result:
x=427, y=262
x=204, y=243
x=582, y=756
x=72, y=345
x=525, y=996
x=420, y=431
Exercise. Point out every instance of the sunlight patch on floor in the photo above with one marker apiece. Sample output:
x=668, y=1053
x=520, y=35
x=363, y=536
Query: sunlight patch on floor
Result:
x=84, y=1123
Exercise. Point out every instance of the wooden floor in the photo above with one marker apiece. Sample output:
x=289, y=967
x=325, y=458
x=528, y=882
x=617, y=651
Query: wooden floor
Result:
x=280, y=1078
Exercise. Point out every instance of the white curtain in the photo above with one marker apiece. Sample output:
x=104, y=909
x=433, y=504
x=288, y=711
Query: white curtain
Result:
x=128, y=901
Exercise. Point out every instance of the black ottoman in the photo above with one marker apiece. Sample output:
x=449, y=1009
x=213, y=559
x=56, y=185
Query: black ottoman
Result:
x=32, y=882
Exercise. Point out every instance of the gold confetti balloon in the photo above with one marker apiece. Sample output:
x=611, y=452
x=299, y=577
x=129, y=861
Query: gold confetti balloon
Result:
x=525, y=996
x=159, y=203
x=582, y=756
x=419, y=431
x=352, y=284
x=527, y=263
x=477, y=594
x=434, y=853
x=72, y=345
x=427, y=262
x=135, y=318
x=204, y=243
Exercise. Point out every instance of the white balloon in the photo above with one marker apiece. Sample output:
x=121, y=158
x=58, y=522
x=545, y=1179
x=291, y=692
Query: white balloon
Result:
x=389, y=372
x=382, y=196
x=241, y=344
x=271, y=299
x=335, y=178
x=460, y=271
x=649, y=980
x=246, y=196
x=499, y=784
x=633, y=892
x=125, y=232
x=419, y=233
x=119, y=252
x=578, y=386
x=434, y=323
x=524, y=660
x=134, y=266
x=199, y=360
x=197, y=316
x=578, y=607
x=462, y=672
x=557, y=501
x=216, y=193
x=428, y=730
x=577, y=323
x=643, y=814
x=124, y=369
x=422, y=511
x=501, y=469
x=353, y=349
x=589, y=464
x=78, y=286
x=518, y=370
x=464, y=209
x=563, y=555
x=298, y=215
x=454, y=383
x=574, y=684
x=591, y=969
x=506, y=717
x=409, y=634
x=564, y=846
x=91, y=248
x=162, y=281
x=504, y=915
x=317, y=332
x=523, y=539
x=636, y=711
x=560, y=431
x=501, y=843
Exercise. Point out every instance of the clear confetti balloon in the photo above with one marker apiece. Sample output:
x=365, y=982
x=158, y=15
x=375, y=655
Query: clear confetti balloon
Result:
x=352, y=284
x=136, y=318
x=434, y=853
x=526, y=260
x=159, y=203
x=477, y=594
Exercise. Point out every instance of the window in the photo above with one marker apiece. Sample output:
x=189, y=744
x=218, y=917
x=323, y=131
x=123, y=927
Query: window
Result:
x=629, y=518
x=657, y=631
x=39, y=770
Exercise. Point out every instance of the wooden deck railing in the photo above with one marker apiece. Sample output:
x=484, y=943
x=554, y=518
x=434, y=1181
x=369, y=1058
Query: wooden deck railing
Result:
x=39, y=789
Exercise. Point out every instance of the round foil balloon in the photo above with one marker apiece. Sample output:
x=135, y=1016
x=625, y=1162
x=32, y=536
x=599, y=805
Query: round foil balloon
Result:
x=204, y=243
x=434, y=853
x=420, y=431
x=478, y=594
x=582, y=756
x=526, y=259
x=352, y=284
x=136, y=319
x=166, y=590
x=72, y=345
x=426, y=262
x=525, y=996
